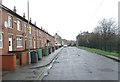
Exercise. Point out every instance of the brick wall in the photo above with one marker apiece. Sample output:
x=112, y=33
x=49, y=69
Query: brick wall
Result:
x=38, y=35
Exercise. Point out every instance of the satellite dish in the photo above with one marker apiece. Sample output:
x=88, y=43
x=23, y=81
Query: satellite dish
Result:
x=5, y=24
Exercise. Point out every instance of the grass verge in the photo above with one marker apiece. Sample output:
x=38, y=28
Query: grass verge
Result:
x=98, y=51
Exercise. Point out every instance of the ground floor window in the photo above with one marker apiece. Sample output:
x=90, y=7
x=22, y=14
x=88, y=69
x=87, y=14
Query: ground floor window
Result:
x=1, y=40
x=19, y=42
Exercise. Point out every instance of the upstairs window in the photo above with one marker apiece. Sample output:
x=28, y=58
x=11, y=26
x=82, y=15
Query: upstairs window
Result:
x=25, y=26
x=19, y=28
x=9, y=21
x=30, y=29
x=37, y=32
x=1, y=40
x=19, y=42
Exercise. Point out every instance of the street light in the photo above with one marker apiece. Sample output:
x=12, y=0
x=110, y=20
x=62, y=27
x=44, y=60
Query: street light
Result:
x=29, y=58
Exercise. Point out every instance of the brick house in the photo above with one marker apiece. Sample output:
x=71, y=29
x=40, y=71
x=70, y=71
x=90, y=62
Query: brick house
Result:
x=14, y=33
x=58, y=40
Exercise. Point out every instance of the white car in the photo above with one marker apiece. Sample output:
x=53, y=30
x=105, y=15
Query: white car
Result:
x=65, y=45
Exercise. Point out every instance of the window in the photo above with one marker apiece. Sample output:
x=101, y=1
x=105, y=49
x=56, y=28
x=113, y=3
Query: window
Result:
x=30, y=30
x=0, y=10
x=9, y=21
x=19, y=28
x=25, y=26
x=19, y=42
x=34, y=33
x=1, y=40
x=37, y=32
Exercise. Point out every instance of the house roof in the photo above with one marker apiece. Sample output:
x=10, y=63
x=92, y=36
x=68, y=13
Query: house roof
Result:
x=22, y=18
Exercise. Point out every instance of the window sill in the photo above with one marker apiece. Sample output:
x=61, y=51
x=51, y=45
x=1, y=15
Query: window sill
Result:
x=19, y=46
x=1, y=48
x=19, y=30
x=10, y=27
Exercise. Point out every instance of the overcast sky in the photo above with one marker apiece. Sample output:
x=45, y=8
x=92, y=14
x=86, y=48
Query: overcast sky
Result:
x=66, y=17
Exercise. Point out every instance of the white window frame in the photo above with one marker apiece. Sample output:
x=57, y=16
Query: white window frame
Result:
x=10, y=23
x=1, y=40
x=19, y=25
x=19, y=38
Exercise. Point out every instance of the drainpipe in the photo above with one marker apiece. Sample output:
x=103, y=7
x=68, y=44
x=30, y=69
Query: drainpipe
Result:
x=36, y=38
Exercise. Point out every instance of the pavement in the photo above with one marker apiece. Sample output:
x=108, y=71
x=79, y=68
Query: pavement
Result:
x=31, y=71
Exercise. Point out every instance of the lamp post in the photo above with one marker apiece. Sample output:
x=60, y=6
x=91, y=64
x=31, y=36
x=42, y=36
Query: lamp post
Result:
x=29, y=58
x=0, y=2
x=1, y=27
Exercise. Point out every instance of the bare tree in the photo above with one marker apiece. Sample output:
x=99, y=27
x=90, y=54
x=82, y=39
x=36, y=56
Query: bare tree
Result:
x=106, y=28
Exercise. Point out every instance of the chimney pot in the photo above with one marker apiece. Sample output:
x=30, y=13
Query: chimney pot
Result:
x=30, y=19
x=41, y=27
x=23, y=15
x=14, y=9
x=35, y=23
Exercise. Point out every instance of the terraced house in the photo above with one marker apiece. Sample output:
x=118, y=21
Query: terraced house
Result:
x=14, y=33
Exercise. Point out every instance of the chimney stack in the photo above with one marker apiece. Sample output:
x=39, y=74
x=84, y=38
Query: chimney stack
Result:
x=35, y=23
x=30, y=19
x=23, y=15
x=41, y=28
x=14, y=9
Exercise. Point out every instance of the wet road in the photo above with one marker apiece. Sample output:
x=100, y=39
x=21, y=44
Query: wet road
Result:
x=77, y=64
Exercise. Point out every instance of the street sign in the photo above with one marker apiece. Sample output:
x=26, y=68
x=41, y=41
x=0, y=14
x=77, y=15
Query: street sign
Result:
x=28, y=29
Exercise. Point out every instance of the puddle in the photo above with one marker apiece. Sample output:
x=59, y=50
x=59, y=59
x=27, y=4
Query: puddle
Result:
x=56, y=62
x=78, y=55
x=106, y=70
x=90, y=71
x=31, y=77
x=46, y=73
x=28, y=71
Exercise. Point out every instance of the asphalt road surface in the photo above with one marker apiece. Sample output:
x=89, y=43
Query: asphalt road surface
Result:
x=77, y=64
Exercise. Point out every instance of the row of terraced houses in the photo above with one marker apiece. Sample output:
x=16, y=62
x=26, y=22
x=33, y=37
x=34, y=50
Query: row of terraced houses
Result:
x=14, y=36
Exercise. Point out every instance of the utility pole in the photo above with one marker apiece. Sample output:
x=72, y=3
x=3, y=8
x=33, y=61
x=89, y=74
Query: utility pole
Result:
x=1, y=30
x=29, y=58
x=0, y=2
x=118, y=45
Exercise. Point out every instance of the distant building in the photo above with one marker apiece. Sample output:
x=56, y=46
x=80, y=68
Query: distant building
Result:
x=77, y=40
x=58, y=40
x=64, y=42
x=72, y=43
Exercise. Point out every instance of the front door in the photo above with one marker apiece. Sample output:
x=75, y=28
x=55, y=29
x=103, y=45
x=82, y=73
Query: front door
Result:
x=10, y=42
